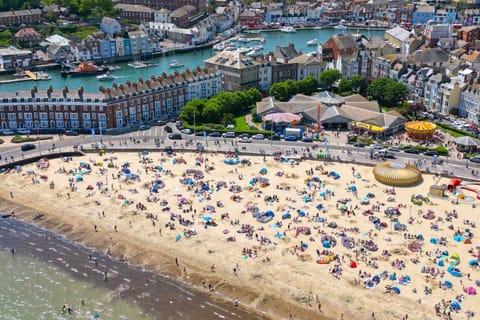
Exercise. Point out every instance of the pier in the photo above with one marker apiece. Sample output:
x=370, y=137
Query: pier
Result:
x=29, y=76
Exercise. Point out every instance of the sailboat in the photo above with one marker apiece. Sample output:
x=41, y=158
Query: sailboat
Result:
x=138, y=64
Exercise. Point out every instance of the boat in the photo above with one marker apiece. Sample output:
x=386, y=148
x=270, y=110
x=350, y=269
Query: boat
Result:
x=42, y=75
x=312, y=42
x=142, y=64
x=114, y=67
x=176, y=64
x=84, y=69
x=20, y=74
x=221, y=46
x=254, y=31
x=242, y=50
x=106, y=76
x=341, y=25
x=288, y=29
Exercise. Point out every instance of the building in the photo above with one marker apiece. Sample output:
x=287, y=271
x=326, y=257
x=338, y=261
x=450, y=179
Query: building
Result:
x=110, y=26
x=12, y=58
x=309, y=64
x=334, y=111
x=451, y=92
x=139, y=42
x=110, y=108
x=447, y=15
x=28, y=37
x=469, y=35
x=423, y=14
x=239, y=71
x=470, y=105
x=170, y=5
x=184, y=16
x=162, y=16
x=18, y=17
x=136, y=13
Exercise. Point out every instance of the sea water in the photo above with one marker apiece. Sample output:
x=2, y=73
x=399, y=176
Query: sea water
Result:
x=47, y=271
x=32, y=289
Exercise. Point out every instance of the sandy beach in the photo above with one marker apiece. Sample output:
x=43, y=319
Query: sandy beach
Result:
x=284, y=238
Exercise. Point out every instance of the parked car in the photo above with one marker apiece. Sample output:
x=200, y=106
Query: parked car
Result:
x=228, y=135
x=290, y=138
x=8, y=132
x=231, y=126
x=23, y=131
x=411, y=150
x=27, y=147
x=274, y=137
x=187, y=131
x=244, y=135
x=175, y=136
x=359, y=145
x=144, y=127
x=475, y=159
x=161, y=122
x=245, y=140
x=71, y=133
x=307, y=139
x=258, y=136
x=376, y=146
x=393, y=149
x=431, y=153
x=215, y=134
x=168, y=129
x=389, y=155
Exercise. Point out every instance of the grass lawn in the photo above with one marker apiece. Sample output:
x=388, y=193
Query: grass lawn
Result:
x=452, y=133
x=241, y=124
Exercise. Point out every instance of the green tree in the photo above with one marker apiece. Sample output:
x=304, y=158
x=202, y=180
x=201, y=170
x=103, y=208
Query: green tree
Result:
x=211, y=113
x=227, y=119
x=345, y=85
x=193, y=109
x=279, y=91
x=376, y=89
x=395, y=93
x=329, y=77
x=307, y=86
x=358, y=84
x=255, y=95
x=291, y=87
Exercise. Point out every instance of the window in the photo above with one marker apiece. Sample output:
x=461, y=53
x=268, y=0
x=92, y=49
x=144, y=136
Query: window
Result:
x=12, y=116
x=58, y=115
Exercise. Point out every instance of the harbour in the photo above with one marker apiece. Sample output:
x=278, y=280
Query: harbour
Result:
x=190, y=59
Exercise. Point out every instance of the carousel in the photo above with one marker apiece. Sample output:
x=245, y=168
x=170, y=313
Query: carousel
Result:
x=420, y=130
x=396, y=174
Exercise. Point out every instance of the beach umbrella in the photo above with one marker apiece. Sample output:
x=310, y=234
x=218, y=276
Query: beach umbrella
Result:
x=207, y=219
x=455, y=305
x=353, y=264
x=447, y=284
x=440, y=263
x=365, y=199
x=160, y=168
x=353, y=188
x=477, y=282
x=473, y=263
x=471, y=291
x=326, y=244
x=396, y=290
x=458, y=238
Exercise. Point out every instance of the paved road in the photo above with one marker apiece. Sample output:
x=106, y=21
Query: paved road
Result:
x=146, y=140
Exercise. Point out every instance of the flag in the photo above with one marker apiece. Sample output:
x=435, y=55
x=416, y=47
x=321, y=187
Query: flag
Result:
x=93, y=132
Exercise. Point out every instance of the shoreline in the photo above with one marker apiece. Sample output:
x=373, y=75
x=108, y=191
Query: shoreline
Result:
x=165, y=267
x=291, y=283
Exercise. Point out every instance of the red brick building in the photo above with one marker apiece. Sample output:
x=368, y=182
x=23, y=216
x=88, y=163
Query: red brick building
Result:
x=17, y=17
x=469, y=34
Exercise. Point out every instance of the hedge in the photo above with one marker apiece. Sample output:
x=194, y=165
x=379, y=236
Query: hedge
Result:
x=20, y=139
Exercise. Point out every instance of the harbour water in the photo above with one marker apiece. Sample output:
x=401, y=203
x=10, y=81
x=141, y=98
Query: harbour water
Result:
x=190, y=60
x=47, y=271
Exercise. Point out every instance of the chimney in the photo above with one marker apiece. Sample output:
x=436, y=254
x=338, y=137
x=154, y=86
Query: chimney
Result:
x=164, y=75
x=140, y=80
x=109, y=92
x=122, y=88
x=80, y=92
x=149, y=83
x=153, y=78
x=32, y=93
x=128, y=83
x=101, y=89
x=49, y=91
x=134, y=85
x=176, y=73
x=65, y=91
x=114, y=85
x=35, y=88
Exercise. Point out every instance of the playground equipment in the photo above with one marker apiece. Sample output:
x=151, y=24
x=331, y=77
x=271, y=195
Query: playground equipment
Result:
x=457, y=188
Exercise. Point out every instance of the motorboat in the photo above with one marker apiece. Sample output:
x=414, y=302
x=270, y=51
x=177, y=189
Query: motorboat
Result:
x=341, y=25
x=106, y=76
x=42, y=75
x=141, y=64
x=87, y=68
x=114, y=67
x=288, y=29
x=221, y=46
x=312, y=42
x=176, y=64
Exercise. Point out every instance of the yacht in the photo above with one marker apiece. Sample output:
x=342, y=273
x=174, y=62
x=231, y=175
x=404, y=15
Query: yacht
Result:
x=140, y=64
x=341, y=25
x=221, y=46
x=106, y=76
x=312, y=42
x=176, y=64
x=42, y=75
x=288, y=29
x=114, y=67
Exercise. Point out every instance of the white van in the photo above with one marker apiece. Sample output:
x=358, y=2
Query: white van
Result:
x=228, y=134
